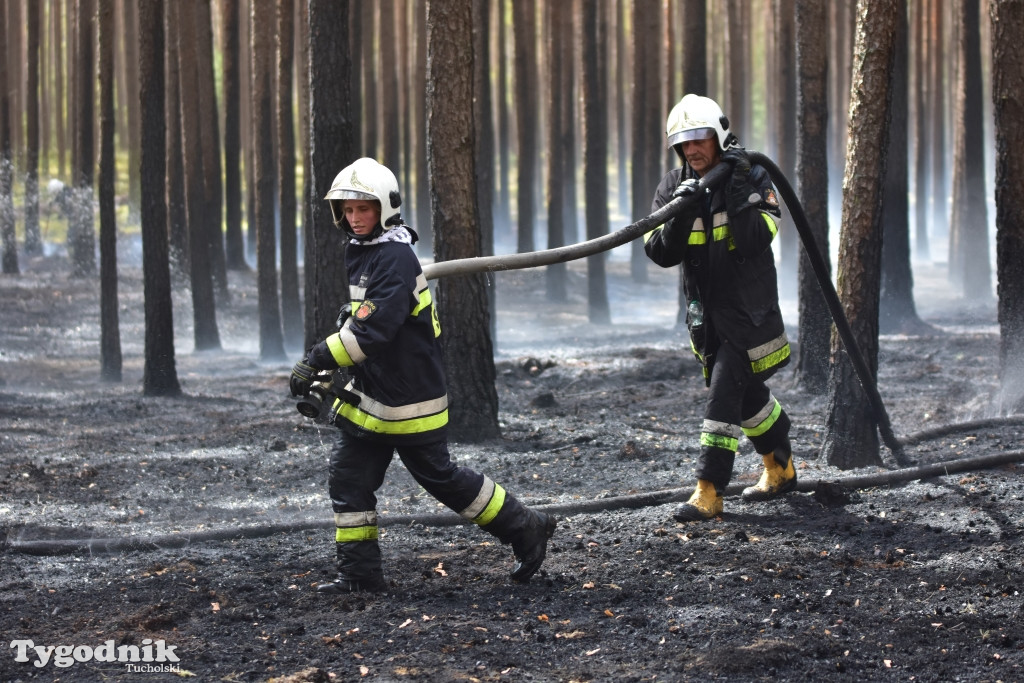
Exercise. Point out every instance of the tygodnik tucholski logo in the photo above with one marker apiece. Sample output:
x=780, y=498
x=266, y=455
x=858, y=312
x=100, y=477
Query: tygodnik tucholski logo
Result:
x=153, y=656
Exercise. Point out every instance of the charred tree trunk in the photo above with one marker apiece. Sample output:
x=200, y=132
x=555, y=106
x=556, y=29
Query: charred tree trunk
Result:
x=7, y=232
x=110, y=333
x=33, y=239
x=555, y=18
x=177, y=221
x=81, y=228
x=1008, y=107
x=419, y=111
x=919, y=12
x=284, y=122
x=786, y=133
x=897, y=312
x=812, y=176
x=523, y=12
x=851, y=439
x=484, y=146
x=262, y=32
x=332, y=147
x=204, y=308
x=452, y=158
x=595, y=153
x=209, y=133
x=648, y=122
x=231, y=75
x=969, y=266
x=159, y=378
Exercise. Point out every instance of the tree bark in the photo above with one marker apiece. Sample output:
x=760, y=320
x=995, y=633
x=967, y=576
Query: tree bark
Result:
x=177, y=218
x=284, y=122
x=332, y=147
x=262, y=33
x=922, y=244
x=851, y=438
x=595, y=153
x=204, y=308
x=82, y=229
x=159, y=378
x=786, y=134
x=1007, y=17
x=648, y=122
x=33, y=239
x=897, y=312
x=231, y=76
x=812, y=178
x=110, y=334
x=462, y=302
x=969, y=266
x=7, y=231
x=558, y=163
x=209, y=131
x=524, y=23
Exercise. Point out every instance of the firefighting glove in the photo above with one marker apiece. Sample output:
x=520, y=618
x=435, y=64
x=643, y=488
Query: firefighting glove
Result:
x=302, y=378
x=740, y=193
x=675, y=230
x=687, y=188
x=344, y=314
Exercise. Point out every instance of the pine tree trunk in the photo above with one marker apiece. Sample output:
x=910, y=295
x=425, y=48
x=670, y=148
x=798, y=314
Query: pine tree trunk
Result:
x=851, y=439
x=815, y=323
x=159, y=378
x=1008, y=108
x=462, y=301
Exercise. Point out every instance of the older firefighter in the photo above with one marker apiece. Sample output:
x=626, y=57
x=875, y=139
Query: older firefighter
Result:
x=723, y=241
x=396, y=399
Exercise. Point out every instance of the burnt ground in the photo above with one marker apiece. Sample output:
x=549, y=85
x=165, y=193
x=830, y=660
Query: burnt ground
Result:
x=202, y=521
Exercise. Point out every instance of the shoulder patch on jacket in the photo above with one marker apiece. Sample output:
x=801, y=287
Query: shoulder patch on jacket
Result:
x=770, y=198
x=365, y=310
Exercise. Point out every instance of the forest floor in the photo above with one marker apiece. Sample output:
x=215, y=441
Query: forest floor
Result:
x=199, y=526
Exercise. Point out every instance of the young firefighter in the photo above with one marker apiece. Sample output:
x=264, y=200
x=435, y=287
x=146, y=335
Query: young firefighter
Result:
x=397, y=398
x=723, y=242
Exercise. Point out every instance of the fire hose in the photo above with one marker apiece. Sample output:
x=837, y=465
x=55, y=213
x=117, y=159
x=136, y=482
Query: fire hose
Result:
x=712, y=178
x=560, y=255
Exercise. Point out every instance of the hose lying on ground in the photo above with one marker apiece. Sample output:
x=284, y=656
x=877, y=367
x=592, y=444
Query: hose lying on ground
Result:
x=100, y=546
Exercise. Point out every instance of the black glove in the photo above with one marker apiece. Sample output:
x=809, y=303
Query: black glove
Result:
x=344, y=314
x=741, y=194
x=302, y=378
x=687, y=188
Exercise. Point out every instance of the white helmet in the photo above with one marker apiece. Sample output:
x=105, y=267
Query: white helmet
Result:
x=366, y=179
x=698, y=118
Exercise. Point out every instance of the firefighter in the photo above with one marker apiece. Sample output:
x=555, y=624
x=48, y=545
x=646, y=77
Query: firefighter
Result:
x=723, y=241
x=396, y=399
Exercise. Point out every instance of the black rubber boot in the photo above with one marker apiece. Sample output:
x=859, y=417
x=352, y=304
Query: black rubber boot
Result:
x=528, y=533
x=531, y=546
x=359, y=570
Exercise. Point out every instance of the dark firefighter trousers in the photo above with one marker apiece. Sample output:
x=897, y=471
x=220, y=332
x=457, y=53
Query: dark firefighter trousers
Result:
x=739, y=404
x=356, y=472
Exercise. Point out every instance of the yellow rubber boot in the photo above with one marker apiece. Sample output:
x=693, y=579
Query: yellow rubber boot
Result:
x=775, y=480
x=705, y=503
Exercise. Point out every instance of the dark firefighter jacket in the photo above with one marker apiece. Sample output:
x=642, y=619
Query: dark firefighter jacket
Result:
x=728, y=266
x=390, y=345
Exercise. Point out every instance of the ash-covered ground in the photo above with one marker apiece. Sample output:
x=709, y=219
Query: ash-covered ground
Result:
x=201, y=524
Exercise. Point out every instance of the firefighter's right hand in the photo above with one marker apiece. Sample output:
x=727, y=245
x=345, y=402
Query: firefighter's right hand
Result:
x=302, y=378
x=687, y=188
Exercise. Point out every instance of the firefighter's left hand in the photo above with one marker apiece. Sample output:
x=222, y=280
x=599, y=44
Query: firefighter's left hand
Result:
x=302, y=378
x=738, y=158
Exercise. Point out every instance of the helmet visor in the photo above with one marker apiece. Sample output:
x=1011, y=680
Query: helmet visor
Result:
x=351, y=194
x=695, y=134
